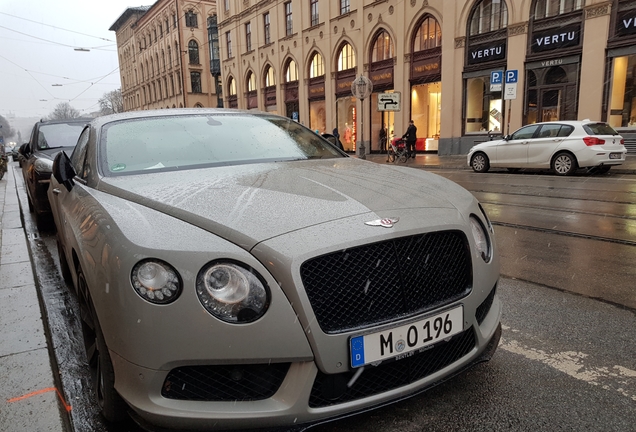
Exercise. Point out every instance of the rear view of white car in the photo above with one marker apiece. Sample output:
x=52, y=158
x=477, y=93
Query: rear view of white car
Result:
x=562, y=146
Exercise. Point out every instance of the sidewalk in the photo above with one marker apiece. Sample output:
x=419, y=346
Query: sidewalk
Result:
x=28, y=397
x=434, y=161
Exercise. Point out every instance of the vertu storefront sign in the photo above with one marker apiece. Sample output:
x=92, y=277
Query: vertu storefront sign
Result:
x=487, y=52
x=557, y=38
x=626, y=23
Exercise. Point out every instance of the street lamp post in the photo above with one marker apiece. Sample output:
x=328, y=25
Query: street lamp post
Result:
x=361, y=88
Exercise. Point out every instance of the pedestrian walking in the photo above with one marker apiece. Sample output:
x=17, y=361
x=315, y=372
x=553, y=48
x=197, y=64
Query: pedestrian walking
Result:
x=411, y=137
x=382, y=143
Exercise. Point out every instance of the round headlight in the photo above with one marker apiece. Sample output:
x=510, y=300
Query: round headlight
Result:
x=482, y=241
x=231, y=292
x=156, y=281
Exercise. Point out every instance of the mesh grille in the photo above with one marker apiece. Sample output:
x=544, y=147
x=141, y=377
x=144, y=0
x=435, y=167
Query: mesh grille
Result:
x=332, y=389
x=224, y=383
x=381, y=282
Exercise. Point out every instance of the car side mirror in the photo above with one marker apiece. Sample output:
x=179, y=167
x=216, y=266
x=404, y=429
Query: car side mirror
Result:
x=507, y=137
x=63, y=171
x=24, y=150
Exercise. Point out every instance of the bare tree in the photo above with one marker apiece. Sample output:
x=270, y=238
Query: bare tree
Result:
x=5, y=128
x=111, y=102
x=63, y=111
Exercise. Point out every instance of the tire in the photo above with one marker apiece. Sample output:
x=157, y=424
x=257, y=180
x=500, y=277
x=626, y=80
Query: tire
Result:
x=480, y=163
x=603, y=169
x=112, y=406
x=64, y=268
x=564, y=164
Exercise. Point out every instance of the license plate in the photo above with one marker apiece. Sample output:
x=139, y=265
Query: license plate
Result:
x=616, y=155
x=403, y=341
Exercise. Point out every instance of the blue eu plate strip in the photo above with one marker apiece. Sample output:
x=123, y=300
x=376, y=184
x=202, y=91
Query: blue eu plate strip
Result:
x=357, y=351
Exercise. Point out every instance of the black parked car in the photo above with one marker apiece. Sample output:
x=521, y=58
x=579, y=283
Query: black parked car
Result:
x=48, y=138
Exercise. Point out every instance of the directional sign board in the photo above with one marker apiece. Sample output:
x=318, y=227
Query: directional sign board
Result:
x=496, y=79
x=510, y=89
x=389, y=102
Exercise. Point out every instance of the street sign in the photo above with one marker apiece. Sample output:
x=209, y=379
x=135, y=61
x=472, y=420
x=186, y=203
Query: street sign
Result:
x=511, y=76
x=295, y=115
x=496, y=79
x=510, y=89
x=389, y=102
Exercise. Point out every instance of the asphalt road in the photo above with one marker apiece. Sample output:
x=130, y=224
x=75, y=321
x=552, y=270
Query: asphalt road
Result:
x=567, y=361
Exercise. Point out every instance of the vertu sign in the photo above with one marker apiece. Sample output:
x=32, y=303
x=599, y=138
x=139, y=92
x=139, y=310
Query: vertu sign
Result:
x=626, y=23
x=557, y=38
x=487, y=52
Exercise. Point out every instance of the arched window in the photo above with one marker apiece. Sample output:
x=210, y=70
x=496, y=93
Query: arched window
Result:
x=346, y=58
x=193, y=52
x=251, y=82
x=382, y=47
x=317, y=66
x=231, y=85
x=489, y=15
x=428, y=35
x=270, y=79
x=550, y=8
x=291, y=72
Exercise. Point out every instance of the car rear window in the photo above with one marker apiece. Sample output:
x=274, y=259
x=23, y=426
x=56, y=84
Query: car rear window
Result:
x=599, y=129
x=59, y=135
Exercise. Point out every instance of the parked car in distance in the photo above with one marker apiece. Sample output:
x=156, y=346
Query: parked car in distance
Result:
x=562, y=146
x=235, y=270
x=48, y=138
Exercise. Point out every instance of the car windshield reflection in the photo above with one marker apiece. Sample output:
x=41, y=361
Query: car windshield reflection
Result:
x=196, y=141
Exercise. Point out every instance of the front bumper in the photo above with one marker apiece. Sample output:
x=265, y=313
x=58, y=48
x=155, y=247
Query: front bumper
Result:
x=306, y=395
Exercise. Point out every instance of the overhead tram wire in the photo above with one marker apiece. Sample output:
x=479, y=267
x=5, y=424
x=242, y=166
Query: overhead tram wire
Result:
x=58, y=28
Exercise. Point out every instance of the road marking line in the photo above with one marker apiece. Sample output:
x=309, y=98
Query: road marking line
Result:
x=37, y=392
x=616, y=378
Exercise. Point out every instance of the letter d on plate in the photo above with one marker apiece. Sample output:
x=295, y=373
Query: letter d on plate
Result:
x=357, y=351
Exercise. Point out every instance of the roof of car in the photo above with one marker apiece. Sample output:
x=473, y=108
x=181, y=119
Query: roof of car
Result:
x=99, y=121
x=70, y=120
x=571, y=122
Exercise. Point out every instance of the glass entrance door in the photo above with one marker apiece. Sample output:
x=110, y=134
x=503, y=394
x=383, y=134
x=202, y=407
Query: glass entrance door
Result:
x=550, y=108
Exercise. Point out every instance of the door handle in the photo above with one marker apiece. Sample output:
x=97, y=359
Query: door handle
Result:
x=56, y=191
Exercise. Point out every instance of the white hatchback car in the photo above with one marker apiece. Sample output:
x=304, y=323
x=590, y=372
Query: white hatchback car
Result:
x=562, y=146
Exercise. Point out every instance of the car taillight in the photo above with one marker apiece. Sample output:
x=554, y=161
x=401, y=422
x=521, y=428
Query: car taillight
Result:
x=592, y=141
x=622, y=142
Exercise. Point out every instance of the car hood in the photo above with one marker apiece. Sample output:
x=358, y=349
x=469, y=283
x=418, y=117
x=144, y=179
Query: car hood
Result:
x=486, y=144
x=247, y=204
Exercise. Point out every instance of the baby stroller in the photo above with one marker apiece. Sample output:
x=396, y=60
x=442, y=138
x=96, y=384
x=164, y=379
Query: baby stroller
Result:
x=398, y=151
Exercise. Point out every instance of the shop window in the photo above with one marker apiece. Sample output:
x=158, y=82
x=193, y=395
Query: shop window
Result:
x=487, y=16
x=622, y=108
x=556, y=76
x=317, y=66
x=346, y=58
x=550, y=8
x=483, y=108
x=382, y=47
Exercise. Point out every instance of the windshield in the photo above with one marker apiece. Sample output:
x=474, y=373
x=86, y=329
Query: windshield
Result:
x=59, y=135
x=190, y=141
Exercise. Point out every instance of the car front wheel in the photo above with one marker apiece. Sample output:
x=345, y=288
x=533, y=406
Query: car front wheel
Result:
x=112, y=406
x=480, y=163
x=564, y=164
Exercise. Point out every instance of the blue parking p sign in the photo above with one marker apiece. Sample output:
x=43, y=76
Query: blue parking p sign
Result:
x=511, y=76
x=496, y=77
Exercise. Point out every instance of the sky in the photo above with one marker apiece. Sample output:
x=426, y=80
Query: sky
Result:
x=39, y=66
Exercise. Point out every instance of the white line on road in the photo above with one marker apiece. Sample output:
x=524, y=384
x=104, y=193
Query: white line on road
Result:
x=616, y=378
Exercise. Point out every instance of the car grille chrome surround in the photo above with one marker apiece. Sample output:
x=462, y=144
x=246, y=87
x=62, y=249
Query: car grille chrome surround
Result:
x=332, y=389
x=224, y=383
x=380, y=282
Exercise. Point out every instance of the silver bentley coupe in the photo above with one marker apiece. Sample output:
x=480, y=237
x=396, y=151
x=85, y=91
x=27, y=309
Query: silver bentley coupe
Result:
x=235, y=270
